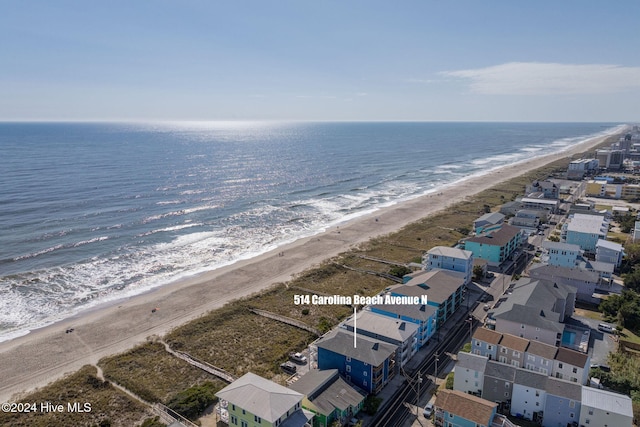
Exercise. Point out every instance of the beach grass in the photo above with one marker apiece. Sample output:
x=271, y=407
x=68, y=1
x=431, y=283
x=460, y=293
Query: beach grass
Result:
x=109, y=406
x=152, y=373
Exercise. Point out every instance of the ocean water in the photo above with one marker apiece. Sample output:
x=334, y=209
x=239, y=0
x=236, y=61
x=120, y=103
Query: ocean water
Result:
x=94, y=212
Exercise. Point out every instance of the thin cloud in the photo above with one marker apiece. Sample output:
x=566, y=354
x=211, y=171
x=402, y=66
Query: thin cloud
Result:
x=535, y=78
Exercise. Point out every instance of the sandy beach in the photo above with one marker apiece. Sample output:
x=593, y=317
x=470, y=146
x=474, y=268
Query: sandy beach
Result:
x=46, y=354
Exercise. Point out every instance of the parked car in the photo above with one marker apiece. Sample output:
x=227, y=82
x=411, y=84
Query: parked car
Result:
x=428, y=410
x=606, y=328
x=298, y=358
x=289, y=368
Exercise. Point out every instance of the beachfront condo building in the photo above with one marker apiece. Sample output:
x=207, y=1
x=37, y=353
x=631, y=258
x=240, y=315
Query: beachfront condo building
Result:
x=255, y=401
x=445, y=290
x=367, y=363
x=495, y=247
x=546, y=189
x=423, y=316
x=401, y=333
x=452, y=259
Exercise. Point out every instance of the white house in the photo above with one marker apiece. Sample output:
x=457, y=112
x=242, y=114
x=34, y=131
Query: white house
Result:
x=610, y=252
x=605, y=408
x=529, y=394
x=447, y=258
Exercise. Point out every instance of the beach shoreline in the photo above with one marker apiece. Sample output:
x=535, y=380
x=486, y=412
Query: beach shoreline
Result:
x=45, y=354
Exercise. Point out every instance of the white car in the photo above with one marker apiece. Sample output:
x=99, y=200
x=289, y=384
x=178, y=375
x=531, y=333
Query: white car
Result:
x=298, y=358
x=428, y=410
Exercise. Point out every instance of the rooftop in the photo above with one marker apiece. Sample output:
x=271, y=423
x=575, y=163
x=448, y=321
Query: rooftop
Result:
x=591, y=224
x=515, y=343
x=471, y=361
x=548, y=244
x=549, y=272
x=467, y=406
x=607, y=401
x=531, y=379
x=438, y=285
x=394, y=329
x=411, y=311
x=366, y=349
x=327, y=390
x=562, y=388
x=450, y=252
x=571, y=357
x=490, y=218
x=499, y=237
x=542, y=350
x=607, y=244
x=487, y=335
x=259, y=396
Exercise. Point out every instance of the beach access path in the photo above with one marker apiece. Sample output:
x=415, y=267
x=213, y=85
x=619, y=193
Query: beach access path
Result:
x=47, y=354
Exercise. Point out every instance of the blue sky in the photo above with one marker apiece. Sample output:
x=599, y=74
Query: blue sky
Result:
x=320, y=60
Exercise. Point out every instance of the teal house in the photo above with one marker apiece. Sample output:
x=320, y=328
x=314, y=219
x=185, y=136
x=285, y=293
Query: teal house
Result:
x=459, y=409
x=495, y=246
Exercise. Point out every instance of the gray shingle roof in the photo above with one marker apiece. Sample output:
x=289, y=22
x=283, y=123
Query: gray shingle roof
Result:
x=562, y=388
x=381, y=325
x=531, y=379
x=500, y=371
x=543, y=350
x=327, y=391
x=367, y=350
x=259, y=396
x=500, y=237
x=438, y=285
x=471, y=361
x=467, y=406
x=551, y=271
x=571, y=357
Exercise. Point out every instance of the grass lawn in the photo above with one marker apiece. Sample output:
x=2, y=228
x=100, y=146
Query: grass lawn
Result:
x=591, y=314
x=626, y=334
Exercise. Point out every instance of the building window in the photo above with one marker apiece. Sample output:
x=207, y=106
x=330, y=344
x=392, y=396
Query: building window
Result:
x=348, y=368
x=575, y=370
x=572, y=404
x=234, y=420
x=506, y=394
x=364, y=383
x=560, y=365
x=506, y=385
x=516, y=353
x=244, y=424
x=257, y=419
x=364, y=373
x=531, y=358
x=348, y=358
x=477, y=343
x=590, y=411
x=503, y=350
x=489, y=347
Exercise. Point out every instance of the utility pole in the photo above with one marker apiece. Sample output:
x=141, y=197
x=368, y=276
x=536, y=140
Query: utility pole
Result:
x=436, y=373
x=418, y=397
x=470, y=322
